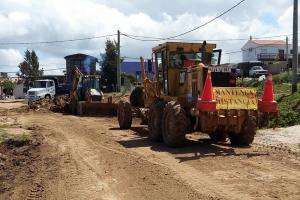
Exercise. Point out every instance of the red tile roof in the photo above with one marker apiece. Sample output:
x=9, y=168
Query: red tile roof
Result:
x=269, y=42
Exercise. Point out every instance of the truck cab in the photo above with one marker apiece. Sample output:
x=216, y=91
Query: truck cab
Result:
x=41, y=89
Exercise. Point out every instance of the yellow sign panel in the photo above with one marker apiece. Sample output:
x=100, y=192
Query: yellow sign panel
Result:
x=235, y=98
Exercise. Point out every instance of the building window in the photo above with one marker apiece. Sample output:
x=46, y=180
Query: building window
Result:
x=263, y=50
x=250, y=49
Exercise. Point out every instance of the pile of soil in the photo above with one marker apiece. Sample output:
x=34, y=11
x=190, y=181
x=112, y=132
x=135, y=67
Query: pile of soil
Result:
x=15, y=157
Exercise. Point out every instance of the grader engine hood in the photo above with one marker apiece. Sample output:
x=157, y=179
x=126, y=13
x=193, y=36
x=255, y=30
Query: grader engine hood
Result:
x=235, y=98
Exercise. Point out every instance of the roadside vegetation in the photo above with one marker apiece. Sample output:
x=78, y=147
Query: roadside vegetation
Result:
x=289, y=107
x=288, y=104
x=14, y=140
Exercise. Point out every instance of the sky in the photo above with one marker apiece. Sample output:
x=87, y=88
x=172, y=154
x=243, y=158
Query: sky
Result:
x=48, y=20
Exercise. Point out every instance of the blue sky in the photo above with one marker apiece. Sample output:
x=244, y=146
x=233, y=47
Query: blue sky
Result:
x=35, y=20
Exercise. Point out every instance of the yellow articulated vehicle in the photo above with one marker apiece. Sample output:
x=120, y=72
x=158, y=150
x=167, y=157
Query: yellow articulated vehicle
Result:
x=189, y=91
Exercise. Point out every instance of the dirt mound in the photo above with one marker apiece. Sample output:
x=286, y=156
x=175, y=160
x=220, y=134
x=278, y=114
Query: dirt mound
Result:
x=15, y=157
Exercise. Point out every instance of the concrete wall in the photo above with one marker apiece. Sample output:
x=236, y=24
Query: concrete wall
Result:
x=18, y=92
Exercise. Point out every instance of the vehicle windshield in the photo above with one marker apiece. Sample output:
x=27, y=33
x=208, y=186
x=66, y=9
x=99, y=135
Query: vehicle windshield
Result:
x=177, y=60
x=257, y=68
x=39, y=84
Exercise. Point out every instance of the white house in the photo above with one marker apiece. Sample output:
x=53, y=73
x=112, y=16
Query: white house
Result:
x=265, y=50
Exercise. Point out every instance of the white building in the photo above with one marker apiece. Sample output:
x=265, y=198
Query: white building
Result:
x=265, y=50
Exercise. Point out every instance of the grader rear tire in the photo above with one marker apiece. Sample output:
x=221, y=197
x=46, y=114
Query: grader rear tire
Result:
x=175, y=125
x=155, y=121
x=124, y=115
x=246, y=137
x=218, y=136
x=137, y=97
x=263, y=120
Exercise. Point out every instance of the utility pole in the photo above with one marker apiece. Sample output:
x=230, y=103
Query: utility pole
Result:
x=118, y=65
x=295, y=47
x=287, y=49
x=287, y=54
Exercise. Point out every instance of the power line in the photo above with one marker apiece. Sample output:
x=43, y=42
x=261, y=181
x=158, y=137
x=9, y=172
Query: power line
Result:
x=155, y=39
x=49, y=64
x=45, y=70
x=151, y=39
x=56, y=41
x=233, y=52
x=189, y=31
x=134, y=58
x=209, y=21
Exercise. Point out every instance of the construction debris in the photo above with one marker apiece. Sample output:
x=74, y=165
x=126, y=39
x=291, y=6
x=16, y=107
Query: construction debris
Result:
x=38, y=104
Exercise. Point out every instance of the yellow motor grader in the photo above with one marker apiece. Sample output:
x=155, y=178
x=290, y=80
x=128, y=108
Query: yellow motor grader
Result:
x=189, y=91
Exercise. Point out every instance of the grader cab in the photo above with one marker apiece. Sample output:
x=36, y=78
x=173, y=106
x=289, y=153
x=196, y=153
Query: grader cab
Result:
x=189, y=91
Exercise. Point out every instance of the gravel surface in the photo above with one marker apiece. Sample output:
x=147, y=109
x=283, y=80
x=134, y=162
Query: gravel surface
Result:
x=282, y=138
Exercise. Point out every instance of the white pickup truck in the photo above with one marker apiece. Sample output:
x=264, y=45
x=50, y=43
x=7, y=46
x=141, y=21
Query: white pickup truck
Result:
x=41, y=89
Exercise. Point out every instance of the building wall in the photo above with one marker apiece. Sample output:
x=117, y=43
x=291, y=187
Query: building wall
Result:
x=249, y=53
x=252, y=50
x=19, y=91
x=133, y=68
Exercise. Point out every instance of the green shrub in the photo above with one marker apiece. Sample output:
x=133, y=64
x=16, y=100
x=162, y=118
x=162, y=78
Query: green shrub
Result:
x=284, y=77
x=289, y=113
x=14, y=140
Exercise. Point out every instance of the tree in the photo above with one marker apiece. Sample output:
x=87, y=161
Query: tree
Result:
x=29, y=68
x=7, y=86
x=109, y=65
x=129, y=77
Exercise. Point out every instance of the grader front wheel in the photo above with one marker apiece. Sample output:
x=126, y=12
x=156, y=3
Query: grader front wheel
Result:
x=137, y=97
x=246, y=137
x=175, y=125
x=124, y=115
x=155, y=121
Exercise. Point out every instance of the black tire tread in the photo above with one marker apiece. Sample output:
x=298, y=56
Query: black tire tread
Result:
x=175, y=125
x=246, y=137
x=217, y=136
x=155, y=120
x=124, y=115
x=137, y=97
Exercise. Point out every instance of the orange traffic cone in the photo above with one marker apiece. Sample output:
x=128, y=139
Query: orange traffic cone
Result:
x=268, y=103
x=206, y=102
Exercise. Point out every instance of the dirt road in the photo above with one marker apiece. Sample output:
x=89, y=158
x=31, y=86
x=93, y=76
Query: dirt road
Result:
x=90, y=158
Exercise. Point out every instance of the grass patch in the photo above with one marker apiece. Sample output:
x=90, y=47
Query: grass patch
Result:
x=3, y=135
x=288, y=104
x=6, y=125
x=23, y=101
x=14, y=140
x=289, y=107
x=285, y=77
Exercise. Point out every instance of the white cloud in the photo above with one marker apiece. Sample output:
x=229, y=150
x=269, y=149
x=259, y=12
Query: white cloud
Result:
x=56, y=20
x=286, y=19
x=10, y=58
